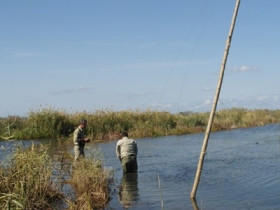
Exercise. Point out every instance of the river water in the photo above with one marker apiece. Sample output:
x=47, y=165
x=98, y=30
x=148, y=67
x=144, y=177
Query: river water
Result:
x=241, y=171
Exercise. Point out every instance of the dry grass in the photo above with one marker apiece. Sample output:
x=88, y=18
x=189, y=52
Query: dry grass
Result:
x=107, y=124
x=32, y=180
x=26, y=182
x=91, y=184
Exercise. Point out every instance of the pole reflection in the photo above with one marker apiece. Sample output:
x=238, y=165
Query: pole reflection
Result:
x=194, y=204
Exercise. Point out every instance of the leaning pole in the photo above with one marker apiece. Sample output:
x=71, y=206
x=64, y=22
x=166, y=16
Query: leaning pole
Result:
x=211, y=117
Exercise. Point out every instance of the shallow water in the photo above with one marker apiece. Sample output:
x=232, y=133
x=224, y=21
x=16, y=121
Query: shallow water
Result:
x=241, y=171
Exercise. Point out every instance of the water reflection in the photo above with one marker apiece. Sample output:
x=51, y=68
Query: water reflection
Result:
x=194, y=203
x=235, y=167
x=128, y=190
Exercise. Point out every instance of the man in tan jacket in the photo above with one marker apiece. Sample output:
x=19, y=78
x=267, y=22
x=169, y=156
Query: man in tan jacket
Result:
x=127, y=150
x=80, y=140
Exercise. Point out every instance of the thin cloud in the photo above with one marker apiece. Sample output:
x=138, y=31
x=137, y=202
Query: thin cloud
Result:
x=207, y=89
x=126, y=45
x=206, y=104
x=136, y=95
x=256, y=101
x=102, y=44
x=244, y=69
x=25, y=54
x=276, y=97
x=207, y=101
x=261, y=98
x=253, y=102
x=157, y=66
x=74, y=90
x=267, y=98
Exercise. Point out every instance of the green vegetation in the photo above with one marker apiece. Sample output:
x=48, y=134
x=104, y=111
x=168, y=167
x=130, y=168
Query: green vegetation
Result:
x=32, y=180
x=107, y=124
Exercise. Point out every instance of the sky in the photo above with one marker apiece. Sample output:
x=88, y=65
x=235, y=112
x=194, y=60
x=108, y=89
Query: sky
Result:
x=136, y=55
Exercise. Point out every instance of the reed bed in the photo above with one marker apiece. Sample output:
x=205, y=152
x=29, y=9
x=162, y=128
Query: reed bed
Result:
x=107, y=124
x=25, y=183
x=91, y=184
x=34, y=179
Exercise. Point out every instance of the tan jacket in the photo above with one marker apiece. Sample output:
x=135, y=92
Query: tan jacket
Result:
x=126, y=147
x=78, y=137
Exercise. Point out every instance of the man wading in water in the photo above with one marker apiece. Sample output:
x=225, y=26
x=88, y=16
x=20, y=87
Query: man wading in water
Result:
x=80, y=140
x=126, y=150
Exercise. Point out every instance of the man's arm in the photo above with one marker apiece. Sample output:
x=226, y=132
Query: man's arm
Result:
x=118, y=151
x=136, y=148
x=77, y=138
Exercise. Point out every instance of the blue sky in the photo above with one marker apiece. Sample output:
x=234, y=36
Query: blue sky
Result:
x=119, y=55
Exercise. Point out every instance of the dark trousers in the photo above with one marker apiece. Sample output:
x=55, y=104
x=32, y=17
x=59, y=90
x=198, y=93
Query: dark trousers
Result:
x=129, y=164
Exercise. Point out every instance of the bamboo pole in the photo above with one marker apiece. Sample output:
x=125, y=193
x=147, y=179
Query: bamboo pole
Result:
x=211, y=117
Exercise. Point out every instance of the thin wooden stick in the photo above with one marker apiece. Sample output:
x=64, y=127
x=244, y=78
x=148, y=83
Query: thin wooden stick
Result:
x=211, y=118
x=162, y=207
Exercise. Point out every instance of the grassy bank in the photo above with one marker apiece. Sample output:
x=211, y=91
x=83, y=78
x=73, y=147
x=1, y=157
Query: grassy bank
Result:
x=32, y=180
x=107, y=124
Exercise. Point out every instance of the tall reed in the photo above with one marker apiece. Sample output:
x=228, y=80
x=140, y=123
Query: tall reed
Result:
x=34, y=179
x=25, y=183
x=91, y=184
x=107, y=124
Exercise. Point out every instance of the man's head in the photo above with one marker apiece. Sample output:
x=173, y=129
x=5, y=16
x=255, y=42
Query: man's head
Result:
x=124, y=134
x=83, y=123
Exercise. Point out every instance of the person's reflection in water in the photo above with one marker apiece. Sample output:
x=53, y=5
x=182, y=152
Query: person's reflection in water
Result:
x=128, y=190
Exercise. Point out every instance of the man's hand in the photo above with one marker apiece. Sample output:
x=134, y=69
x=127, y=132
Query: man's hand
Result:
x=87, y=140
